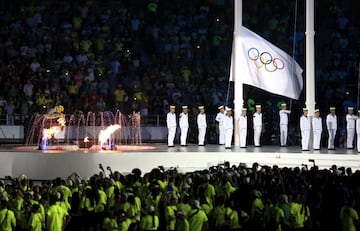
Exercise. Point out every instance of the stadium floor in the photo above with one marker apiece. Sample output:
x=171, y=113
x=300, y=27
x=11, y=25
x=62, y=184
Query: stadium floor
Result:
x=61, y=161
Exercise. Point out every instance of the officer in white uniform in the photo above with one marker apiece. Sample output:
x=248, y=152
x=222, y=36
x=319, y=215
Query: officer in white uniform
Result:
x=220, y=116
x=284, y=121
x=331, y=125
x=305, y=128
x=229, y=128
x=257, y=122
x=358, y=131
x=201, y=123
x=350, y=127
x=317, y=129
x=184, y=125
x=243, y=127
x=171, y=125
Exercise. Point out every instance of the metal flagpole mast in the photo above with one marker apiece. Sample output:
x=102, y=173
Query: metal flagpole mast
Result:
x=358, y=88
x=310, y=58
x=238, y=85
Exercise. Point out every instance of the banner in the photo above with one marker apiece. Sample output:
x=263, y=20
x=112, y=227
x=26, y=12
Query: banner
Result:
x=267, y=67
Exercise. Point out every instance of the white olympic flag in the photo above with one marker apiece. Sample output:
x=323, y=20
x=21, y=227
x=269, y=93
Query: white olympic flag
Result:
x=265, y=66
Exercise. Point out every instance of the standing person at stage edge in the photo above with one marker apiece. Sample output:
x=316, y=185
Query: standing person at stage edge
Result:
x=331, y=125
x=243, y=127
x=358, y=132
x=220, y=116
x=171, y=125
x=184, y=125
x=201, y=123
x=350, y=128
x=284, y=121
x=317, y=129
x=229, y=128
x=257, y=121
x=305, y=128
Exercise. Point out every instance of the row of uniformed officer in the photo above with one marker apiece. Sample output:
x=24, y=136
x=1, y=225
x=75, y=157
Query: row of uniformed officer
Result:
x=352, y=127
x=171, y=123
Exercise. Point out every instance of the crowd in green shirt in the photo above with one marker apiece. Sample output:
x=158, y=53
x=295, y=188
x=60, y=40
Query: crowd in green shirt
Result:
x=222, y=197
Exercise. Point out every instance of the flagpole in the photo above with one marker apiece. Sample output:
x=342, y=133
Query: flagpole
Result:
x=238, y=86
x=310, y=58
x=358, y=88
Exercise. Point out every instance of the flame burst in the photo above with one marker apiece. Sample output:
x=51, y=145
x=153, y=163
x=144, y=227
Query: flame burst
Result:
x=104, y=135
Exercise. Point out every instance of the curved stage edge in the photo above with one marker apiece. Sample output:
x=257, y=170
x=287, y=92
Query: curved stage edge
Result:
x=61, y=162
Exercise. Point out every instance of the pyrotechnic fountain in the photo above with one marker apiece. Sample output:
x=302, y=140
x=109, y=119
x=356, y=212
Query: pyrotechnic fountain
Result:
x=105, y=137
x=84, y=130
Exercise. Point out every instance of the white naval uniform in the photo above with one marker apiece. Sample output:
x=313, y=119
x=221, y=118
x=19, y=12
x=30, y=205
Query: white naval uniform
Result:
x=243, y=130
x=257, y=121
x=184, y=127
x=305, y=128
x=317, y=130
x=201, y=123
x=220, y=119
x=331, y=125
x=358, y=134
x=350, y=130
x=171, y=125
x=229, y=129
x=284, y=120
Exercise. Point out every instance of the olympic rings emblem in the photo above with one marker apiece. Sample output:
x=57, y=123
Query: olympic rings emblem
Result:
x=266, y=60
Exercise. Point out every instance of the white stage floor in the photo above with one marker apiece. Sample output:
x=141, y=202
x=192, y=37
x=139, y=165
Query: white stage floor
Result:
x=43, y=165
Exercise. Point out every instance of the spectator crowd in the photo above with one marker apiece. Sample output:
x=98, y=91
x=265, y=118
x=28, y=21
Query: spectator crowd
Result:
x=147, y=55
x=223, y=197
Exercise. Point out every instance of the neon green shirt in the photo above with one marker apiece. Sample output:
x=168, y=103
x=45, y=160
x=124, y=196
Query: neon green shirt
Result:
x=182, y=225
x=197, y=218
x=170, y=214
x=149, y=222
x=36, y=222
x=56, y=218
x=300, y=214
x=110, y=224
x=7, y=220
x=348, y=216
x=124, y=225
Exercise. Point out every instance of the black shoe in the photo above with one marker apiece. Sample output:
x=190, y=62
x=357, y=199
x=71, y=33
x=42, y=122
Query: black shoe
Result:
x=201, y=144
x=257, y=146
x=171, y=146
x=305, y=150
x=243, y=147
x=317, y=149
x=227, y=147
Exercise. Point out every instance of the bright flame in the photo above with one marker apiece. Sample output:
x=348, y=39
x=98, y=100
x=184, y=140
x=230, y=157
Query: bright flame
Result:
x=104, y=135
x=50, y=132
x=86, y=139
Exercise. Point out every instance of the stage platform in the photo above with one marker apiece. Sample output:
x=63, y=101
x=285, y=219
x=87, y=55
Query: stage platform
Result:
x=63, y=160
